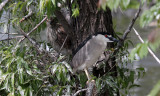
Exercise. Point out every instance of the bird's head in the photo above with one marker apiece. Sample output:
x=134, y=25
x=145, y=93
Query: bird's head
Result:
x=107, y=37
x=111, y=39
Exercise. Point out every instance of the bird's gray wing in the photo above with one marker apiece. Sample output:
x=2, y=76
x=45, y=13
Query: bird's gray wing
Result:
x=87, y=52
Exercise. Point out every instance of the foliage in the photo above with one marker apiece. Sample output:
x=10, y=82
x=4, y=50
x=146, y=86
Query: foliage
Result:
x=150, y=15
x=21, y=76
x=17, y=76
x=141, y=50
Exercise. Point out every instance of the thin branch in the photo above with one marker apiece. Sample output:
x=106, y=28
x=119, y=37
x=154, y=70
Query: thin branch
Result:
x=35, y=44
x=150, y=51
x=79, y=91
x=3, y=4
x=128, y=30
x=33, y=29
x=63, y=43
x=62, y=46
x=27, y=16
x=8, y=27
x=10, y=38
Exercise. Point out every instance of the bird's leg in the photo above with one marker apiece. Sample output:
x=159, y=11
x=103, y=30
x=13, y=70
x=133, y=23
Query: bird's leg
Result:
x=88, y=76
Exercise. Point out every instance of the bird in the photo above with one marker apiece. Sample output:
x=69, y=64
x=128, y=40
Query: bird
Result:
x=88, y=52
x=56, y=36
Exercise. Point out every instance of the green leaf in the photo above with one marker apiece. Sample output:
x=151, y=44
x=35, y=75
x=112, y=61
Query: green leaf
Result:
x=67, y=66
x=113, y=4
x=60, y=91
x=143, y=50
x=125, y=3
x=54, y=68
x=132, y=54
x=146, y=18
x=29, y=72
x=54, y=2
x=131, y=77
x=75, y=12
x=134, y=4
x=12, y=80
x=134, y=85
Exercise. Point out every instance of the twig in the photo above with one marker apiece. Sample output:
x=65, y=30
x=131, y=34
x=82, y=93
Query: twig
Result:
x=150, y=51
x=8, y=27
x=128, y=30
x=3, y=4
x=27, y=16
x=12, y=38
x=32, y=29
x=79, y=91
x=30, y=39
x=63, y=43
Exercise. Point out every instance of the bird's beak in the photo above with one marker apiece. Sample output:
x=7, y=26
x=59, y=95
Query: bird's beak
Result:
x=113, y=39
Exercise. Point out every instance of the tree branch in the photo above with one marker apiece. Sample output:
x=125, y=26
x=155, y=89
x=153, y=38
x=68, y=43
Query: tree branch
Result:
x=10, y=38
x=150, y=51
x=128, y=30
x=33, y=29
x=79, y=91
x=27, y=16
x=3, y=4
x=91, y=89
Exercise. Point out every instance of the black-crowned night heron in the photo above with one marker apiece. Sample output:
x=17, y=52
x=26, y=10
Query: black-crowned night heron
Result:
x=89, y=51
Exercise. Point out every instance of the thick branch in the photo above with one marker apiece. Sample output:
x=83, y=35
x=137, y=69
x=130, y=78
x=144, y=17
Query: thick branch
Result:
x=3, y=4
x=91, y=88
